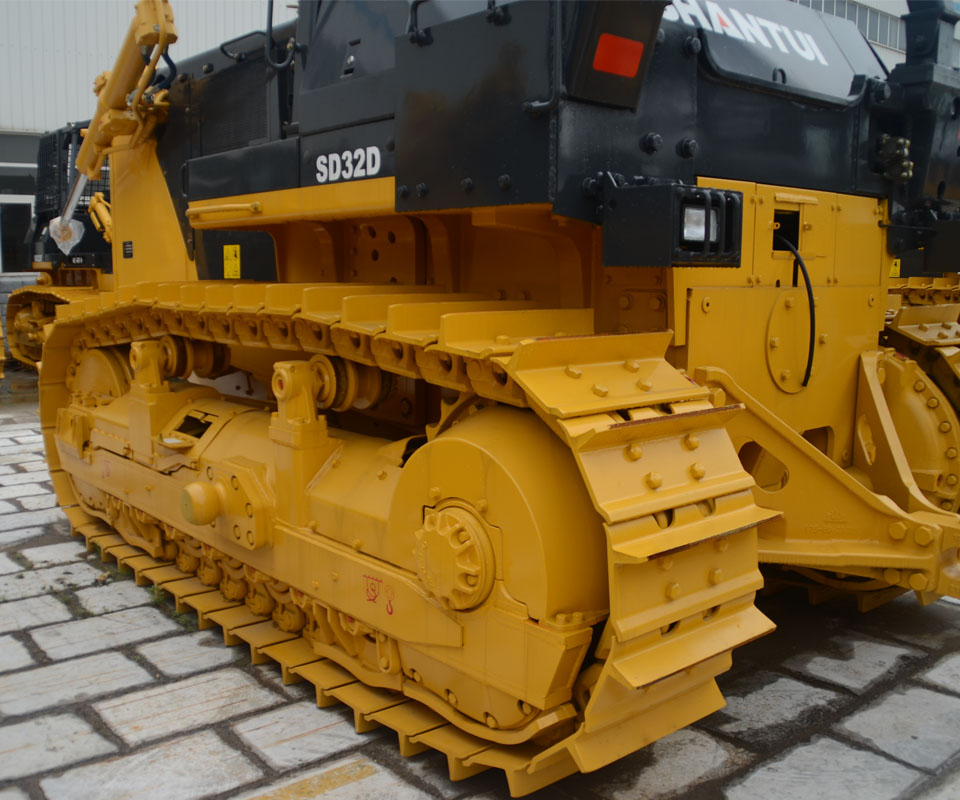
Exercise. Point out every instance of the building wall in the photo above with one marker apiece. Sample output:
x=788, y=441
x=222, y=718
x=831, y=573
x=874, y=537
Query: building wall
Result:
x=878, y=20
x=51, y=50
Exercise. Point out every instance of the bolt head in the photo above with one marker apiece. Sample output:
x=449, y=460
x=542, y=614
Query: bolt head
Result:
x=688, y=147
x=923, y=535
x=918, y=582
x=651, y=143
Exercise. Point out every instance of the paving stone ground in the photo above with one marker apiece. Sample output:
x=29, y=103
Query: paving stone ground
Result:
x=107, y=693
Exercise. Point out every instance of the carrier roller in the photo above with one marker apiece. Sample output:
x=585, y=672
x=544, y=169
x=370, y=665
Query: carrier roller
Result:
x=543, y=580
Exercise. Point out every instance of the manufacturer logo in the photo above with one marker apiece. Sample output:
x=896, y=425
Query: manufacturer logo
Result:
x=749, y=28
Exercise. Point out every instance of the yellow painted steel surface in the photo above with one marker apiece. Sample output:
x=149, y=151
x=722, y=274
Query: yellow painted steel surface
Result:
x=490, y=494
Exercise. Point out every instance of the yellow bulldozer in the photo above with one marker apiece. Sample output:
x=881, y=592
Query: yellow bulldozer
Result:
x=469, y=359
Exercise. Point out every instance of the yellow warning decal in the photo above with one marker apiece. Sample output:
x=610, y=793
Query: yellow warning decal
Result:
x=894, y=268
x=231, y=261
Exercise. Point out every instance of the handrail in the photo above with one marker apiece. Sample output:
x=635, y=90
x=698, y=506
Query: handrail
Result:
x=256, y=207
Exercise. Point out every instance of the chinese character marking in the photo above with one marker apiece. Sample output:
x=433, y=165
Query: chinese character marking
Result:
x=372, y=587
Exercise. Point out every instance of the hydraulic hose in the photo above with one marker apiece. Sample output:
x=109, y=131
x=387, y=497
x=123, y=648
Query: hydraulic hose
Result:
x=798, y=261
x=291, y=45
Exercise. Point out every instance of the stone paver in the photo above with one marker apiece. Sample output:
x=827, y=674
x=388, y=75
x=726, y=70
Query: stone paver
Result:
x=187, y=768
x=431, y=768
x=23, y=477
x=42, y=743
x=947, y=790
x=7, y=428
x=41, y=581
x=827, y=769
x=671, y=765
x=13, y=794
x=99, y=633
x=13, y=655
x=21, y=534
x=52, y=554
x=193, y=652
x=113, y=597
x=30, y=613
x=346, y=779
x=38, y=502
x=8, y=565
x=762, y=702
x=69, y=682
x=28, y=489
x=298, y=734
x=15, y=458
x=858, y=663
x=945, y=674
x=937, y=626
x=271, y=675
x=916, y=725
x=202, y=700
x=10, y=522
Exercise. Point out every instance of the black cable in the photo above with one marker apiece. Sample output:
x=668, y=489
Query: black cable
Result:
x=417, y=35
x=291, y=45
x=165, y=81
x=798, y=261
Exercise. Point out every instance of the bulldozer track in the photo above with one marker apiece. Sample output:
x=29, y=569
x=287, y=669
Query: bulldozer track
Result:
x=651, y=447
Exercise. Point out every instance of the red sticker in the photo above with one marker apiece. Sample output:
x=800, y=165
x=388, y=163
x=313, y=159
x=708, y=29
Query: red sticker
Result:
x=618, y=56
